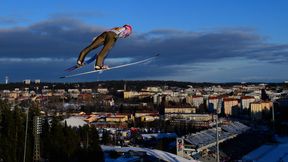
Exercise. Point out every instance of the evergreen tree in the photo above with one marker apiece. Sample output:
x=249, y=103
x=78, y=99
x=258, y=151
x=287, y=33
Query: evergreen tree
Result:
x=58, y=142
x=56, y=145
x=105, y=138
x=45, y=138
x=11, y=133
x=93, y=152
x=264, y=95
x=6, y=140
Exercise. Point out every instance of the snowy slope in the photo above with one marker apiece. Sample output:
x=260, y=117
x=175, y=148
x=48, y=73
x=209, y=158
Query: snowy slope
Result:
x=156, y=153
x=274, y=152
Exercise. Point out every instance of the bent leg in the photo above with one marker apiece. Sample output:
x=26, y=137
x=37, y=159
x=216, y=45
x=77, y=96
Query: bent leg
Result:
x=108, y=44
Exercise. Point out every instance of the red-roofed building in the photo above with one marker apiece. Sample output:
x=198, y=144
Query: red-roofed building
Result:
x=231, y=106
x=212, y=103
x=258, y=108
x=85, y=97
x=246, y=101
x=195, y=101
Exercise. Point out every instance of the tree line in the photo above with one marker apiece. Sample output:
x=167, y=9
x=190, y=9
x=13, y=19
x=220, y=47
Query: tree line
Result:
x=58, y=142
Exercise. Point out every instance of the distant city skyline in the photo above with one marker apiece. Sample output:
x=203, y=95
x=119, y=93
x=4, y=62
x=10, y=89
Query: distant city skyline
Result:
x=198, y=41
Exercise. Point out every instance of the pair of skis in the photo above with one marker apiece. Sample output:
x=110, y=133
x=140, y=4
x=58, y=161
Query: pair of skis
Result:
x=113, y=67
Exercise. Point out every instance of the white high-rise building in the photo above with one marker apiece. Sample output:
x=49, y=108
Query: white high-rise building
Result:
x=246, y=101
x=27, y=81
x=6, y=80
x=231, y=106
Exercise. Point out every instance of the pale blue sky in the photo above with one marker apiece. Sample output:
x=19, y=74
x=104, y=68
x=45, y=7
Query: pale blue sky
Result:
x=195, y=28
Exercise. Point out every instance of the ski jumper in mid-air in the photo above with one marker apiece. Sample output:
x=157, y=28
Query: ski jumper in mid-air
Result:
x=107, y=39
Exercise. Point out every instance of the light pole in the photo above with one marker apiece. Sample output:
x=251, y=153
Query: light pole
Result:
x=273, y=115
x=217, y=139
x=26, y=131
x=273, y=118
x=217, y=134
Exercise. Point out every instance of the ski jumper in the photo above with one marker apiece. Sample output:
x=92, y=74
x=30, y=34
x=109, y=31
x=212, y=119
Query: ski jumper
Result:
x=107, y=39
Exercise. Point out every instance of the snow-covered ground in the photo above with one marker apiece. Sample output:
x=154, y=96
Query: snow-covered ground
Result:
x=165, y=156
x=273, y=152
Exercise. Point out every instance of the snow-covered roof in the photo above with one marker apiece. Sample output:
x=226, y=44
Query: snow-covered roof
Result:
x=74, y=121
x=166, y=156
x=159, y=135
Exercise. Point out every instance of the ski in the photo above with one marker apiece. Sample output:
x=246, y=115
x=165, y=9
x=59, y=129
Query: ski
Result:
x=114, y=67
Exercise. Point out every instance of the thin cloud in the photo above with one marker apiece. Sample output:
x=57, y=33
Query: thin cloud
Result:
x=61, y=39
x=31, y=60
x=9, y=20
x=68, y=36
x=77, y=15
x=40, y=60
x=115, y=61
